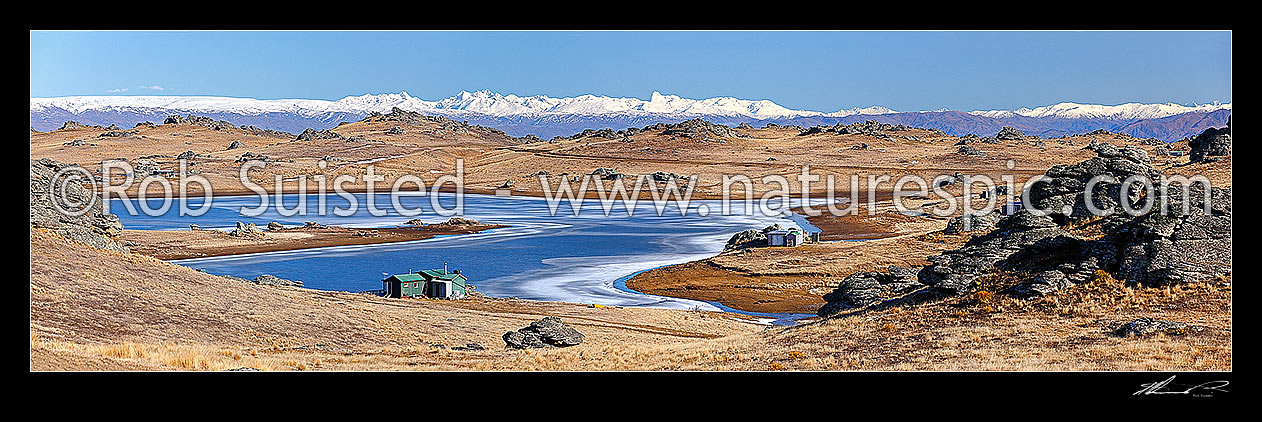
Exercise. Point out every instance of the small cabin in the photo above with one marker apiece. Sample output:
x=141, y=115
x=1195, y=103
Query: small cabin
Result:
x=790, y=237
x=434, y=284
x=1010, y=208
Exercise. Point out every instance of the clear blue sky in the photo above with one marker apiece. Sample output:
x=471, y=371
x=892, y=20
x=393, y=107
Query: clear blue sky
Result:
x=822, y=71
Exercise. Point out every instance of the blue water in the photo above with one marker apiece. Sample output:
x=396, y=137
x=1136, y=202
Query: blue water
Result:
x=539, y=257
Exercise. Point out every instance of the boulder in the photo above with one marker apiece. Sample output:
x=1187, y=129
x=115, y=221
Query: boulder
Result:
x=661, y=176
x=1010, y=134
x=470, y=347
x=548, y=332
x=246, y=230
x=868, y=127
x=1044, y=283
x=813, y=130
x=271, y=280
x=458, y=221
x=867, y=288
x=1184, y=236
x=71, y=124
x=250, y=156
x=970, y=151
x=313, y=135
x=200, y=121
x=956, y=271
x=751, y=238
x=1179, y=245
x=1146, y=326
x=92, y=225
x=1062, y=192
x=1213, y=142
x=695, y=129
x=117, y=134
x=972, y=222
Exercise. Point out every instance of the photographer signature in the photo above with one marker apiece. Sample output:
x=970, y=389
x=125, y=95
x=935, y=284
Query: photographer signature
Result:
x=1166, y=387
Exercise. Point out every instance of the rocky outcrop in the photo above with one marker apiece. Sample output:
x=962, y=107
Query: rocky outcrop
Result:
x=459, y=221
x=1063, y=194
x=1045, y=283
x=1210, y=144
x=970, y=151
x=956, y=271
x=117, y=134
x=90, y=224
x=256, y=131
x=607, y=174
x=1146, y=326
x=274, y=226
x=445, y=125
x=972, y=222
x=867, y=127
x=199, y=121
x=246, y=231
x=267, y=280
x=235, y=145
x=695, y=129
x=867, y=288
x=78, y=143
x=1010, y=134
x=661, y=176
x=188, y=155
x=71, y=124
x=315, y=135
x=813, y=130
x=271, y=280
x=1191, y=241
x=751, y=238
x=145, y=167
x=606, y=133
x=548, y=332
x=1185, y=240
x=250, y=156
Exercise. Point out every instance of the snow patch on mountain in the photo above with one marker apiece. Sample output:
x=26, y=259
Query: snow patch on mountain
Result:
x=1128, y=111
x=480, y=102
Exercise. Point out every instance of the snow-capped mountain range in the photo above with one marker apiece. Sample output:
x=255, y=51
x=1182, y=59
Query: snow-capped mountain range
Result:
x=547, y=116
x=1128, y=111
x=480, y=102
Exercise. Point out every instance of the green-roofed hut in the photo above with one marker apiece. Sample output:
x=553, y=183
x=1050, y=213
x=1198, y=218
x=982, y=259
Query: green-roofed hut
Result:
x=437, y=284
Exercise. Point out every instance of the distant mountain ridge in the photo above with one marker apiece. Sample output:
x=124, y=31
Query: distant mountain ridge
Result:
x=547, y=116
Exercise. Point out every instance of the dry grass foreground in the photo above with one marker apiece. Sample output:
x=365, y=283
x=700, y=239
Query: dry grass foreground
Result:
x=99, y=310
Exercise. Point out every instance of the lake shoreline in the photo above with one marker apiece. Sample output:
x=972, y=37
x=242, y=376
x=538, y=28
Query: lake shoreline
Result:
x=756, y=280
x=172, y=244
x=169, y=245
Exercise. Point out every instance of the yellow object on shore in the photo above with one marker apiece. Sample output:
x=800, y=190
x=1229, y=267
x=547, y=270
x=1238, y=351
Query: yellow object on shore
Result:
x=598, y=306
